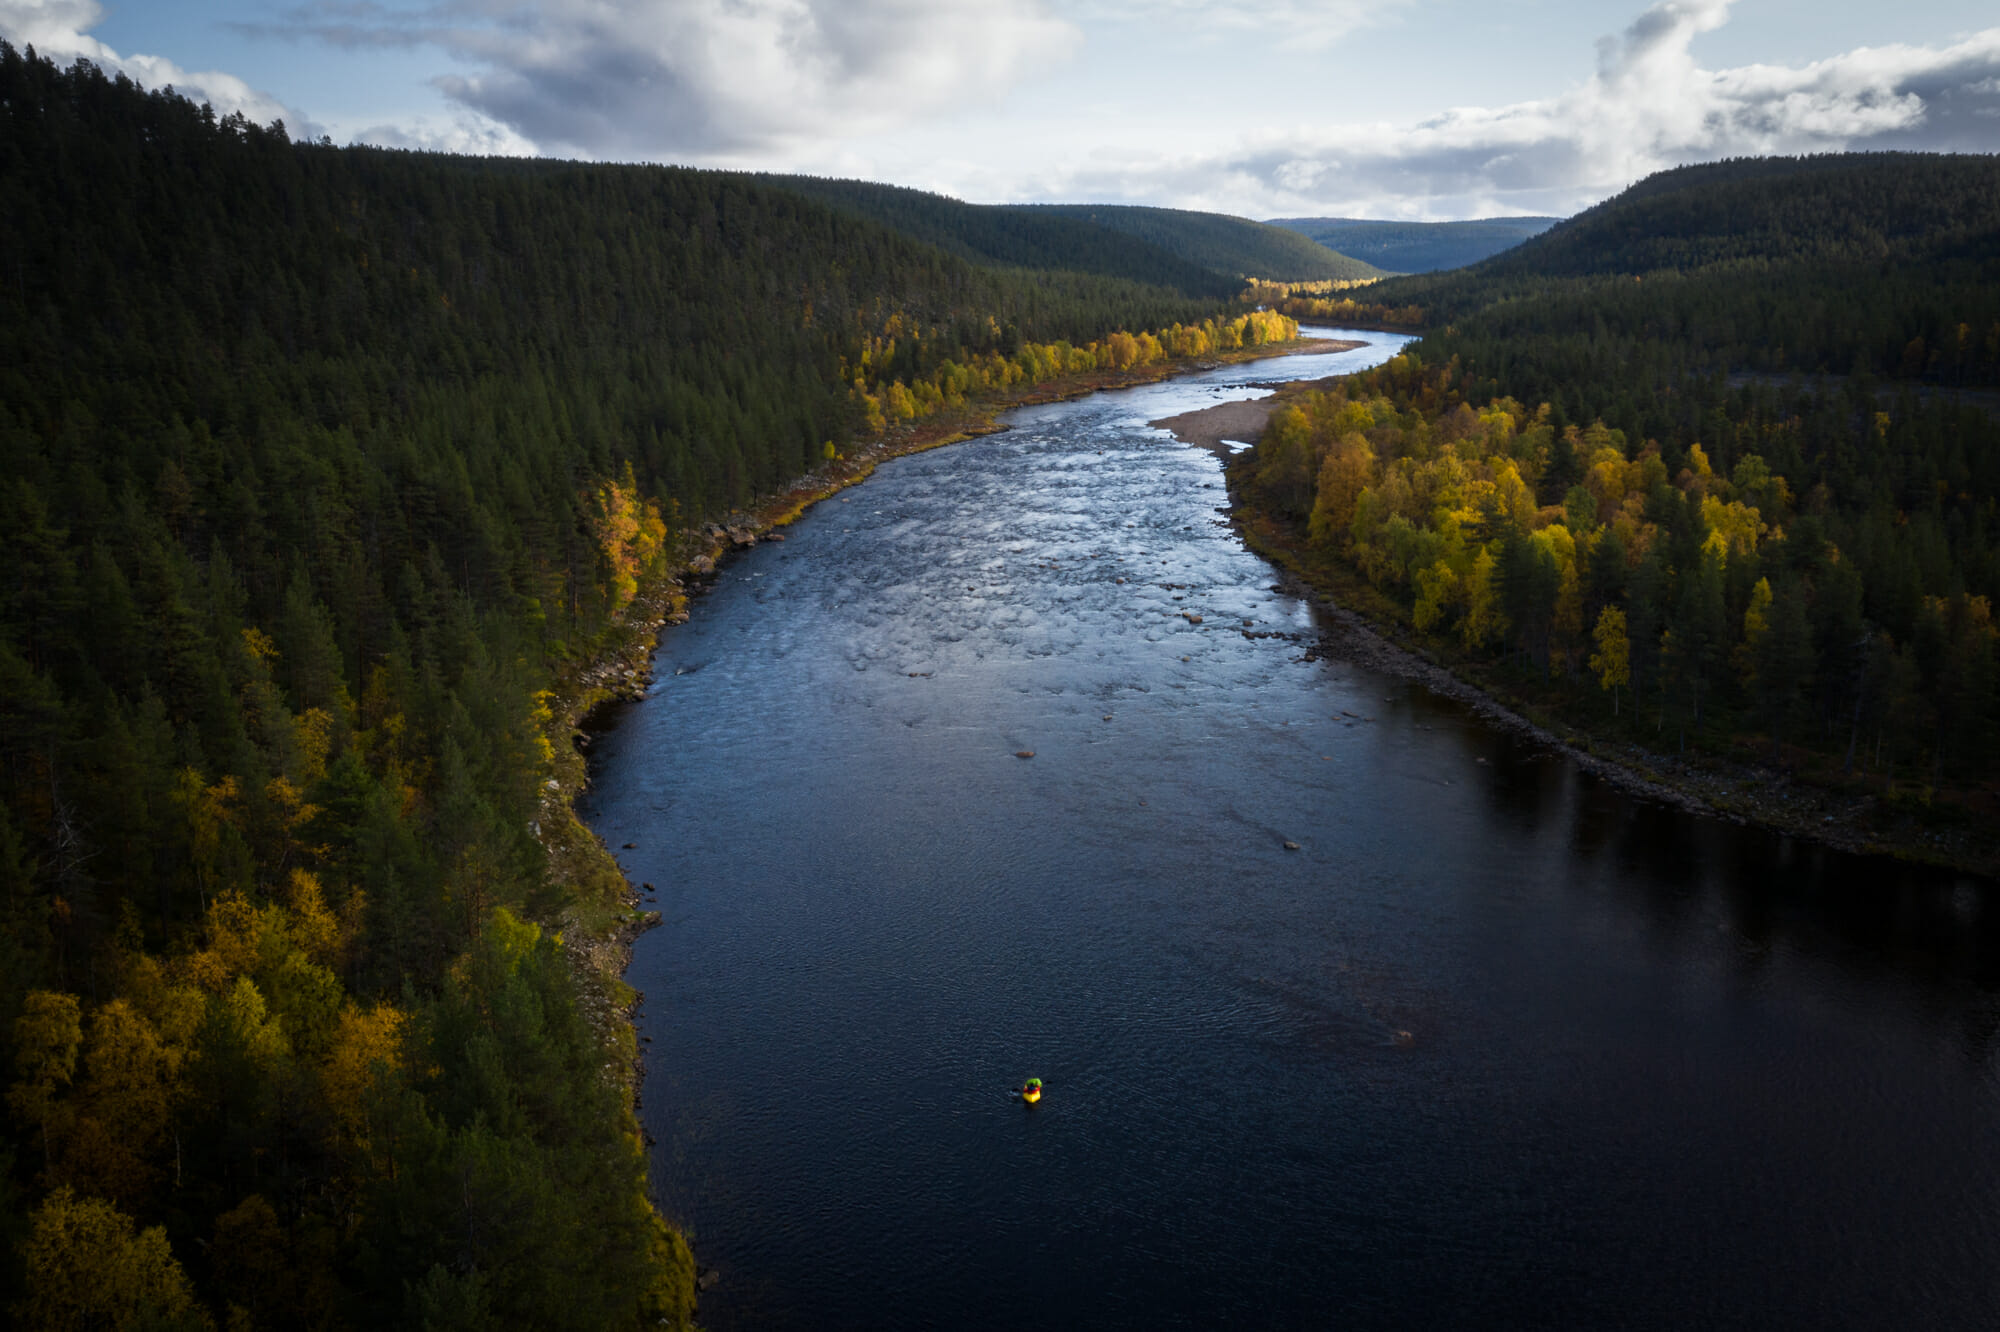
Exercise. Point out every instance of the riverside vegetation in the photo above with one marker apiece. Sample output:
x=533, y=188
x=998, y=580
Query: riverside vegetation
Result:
x=330, y=477
x=1707, y=467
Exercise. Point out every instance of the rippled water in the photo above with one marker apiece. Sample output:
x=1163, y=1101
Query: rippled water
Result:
x=1496, y=1046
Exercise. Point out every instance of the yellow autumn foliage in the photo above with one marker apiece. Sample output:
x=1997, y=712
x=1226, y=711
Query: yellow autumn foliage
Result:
x=86, y=1265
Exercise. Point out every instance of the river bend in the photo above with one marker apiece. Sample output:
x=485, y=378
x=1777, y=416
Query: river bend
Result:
x=1495, y=1045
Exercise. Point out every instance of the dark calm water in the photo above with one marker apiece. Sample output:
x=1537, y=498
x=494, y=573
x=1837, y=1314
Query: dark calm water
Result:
x=1659, y=1072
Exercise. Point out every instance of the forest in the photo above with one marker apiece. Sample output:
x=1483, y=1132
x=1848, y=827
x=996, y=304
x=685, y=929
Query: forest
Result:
x=1230, y=245
x=319, y=469
x=1207, y=253
x=1708, y=466
x=1013, y=239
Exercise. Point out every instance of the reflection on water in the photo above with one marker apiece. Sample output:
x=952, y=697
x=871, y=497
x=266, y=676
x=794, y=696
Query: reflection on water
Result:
x=1495, y=1045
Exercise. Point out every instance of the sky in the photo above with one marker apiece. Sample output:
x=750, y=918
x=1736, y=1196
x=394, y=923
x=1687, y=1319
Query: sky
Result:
x=1417, y=109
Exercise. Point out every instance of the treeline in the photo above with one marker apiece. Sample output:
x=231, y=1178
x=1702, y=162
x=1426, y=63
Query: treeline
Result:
x=317, y=468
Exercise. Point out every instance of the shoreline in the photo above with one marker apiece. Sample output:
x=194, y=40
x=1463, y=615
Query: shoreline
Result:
x=1708, y=784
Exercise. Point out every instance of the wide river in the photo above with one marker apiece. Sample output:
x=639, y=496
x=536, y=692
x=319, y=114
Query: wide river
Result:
x=1495, y=1046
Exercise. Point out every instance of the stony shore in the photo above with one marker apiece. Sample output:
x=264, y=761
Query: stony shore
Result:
x=1215, y=428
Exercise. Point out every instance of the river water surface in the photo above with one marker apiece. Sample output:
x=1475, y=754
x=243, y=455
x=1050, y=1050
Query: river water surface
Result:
x=1495, y=1046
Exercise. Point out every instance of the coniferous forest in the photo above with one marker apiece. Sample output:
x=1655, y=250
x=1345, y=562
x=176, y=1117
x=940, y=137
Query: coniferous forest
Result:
x=320, y=466
x=1713, y=464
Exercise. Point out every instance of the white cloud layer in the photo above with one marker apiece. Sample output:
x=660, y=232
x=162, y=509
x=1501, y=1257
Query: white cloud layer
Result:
x=467, y=133
x=1310, y=24
x=859, y=85
x=1649, y=106
x=60, y=30
x=675, y=78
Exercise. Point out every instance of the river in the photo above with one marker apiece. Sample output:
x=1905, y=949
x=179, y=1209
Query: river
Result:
x=1495, y=1046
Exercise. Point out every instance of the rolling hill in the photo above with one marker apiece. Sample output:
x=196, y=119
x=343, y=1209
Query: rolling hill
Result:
x=1200, y=254
x=1417, y=247
x=1224, y=244
x=1816, y=264
x=1005, y=237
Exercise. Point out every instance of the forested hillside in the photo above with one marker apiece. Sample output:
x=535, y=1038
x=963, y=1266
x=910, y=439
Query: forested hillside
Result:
x=317, y=468
x=1207, y=254
x=1417, y=247
x=1809, y=264
x=1014, y=237
x=1234, y=246
x=1697, y=460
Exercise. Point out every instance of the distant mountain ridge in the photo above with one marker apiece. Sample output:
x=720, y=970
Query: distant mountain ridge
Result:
x=1226, y=244
x=1207, y=255
x=1417, y=247
x=994, y=236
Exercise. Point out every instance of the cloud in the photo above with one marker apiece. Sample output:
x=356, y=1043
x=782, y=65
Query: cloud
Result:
x=1649, y=106
x=60, y=30
x=1309, y=24
x=654, y=78
x=467, y=134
